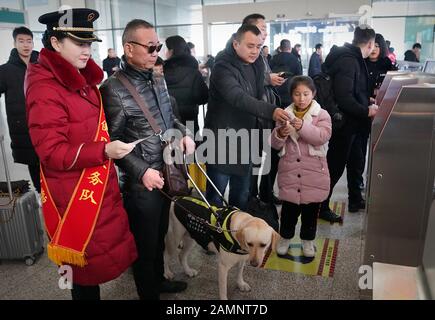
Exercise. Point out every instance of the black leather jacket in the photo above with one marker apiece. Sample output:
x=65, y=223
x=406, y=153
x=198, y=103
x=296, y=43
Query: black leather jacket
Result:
x=127, y=122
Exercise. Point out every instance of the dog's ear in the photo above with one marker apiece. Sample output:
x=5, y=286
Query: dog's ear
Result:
x=275, y=239
x=240, y=237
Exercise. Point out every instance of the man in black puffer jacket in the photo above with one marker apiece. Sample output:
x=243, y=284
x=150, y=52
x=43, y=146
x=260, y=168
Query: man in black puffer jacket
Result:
x=147, y=208
x=235, y=103
x=12, y=83
x=184, y=81
x=347, y=67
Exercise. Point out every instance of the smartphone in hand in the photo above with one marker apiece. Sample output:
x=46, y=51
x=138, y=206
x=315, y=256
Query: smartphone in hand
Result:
x=284, y=74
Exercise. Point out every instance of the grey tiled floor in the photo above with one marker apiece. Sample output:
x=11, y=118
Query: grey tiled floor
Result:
x=40, y=281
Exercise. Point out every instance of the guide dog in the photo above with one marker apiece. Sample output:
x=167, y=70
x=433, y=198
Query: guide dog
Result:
x=252, y=238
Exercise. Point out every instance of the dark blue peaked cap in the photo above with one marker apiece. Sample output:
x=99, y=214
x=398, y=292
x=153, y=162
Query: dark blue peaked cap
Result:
x=76, y=23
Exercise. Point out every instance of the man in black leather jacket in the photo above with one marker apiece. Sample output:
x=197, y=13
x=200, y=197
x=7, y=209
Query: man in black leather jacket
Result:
x=140, y=171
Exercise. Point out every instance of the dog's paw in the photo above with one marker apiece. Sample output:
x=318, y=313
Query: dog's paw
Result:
x=169, y=275
x=244, y=287
x=191, y=272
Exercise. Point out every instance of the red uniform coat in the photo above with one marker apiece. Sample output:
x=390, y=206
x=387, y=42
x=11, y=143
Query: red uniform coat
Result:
x=63, y=108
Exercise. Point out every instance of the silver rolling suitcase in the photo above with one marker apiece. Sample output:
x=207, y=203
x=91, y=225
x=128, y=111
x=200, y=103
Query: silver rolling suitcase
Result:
x=21, y=233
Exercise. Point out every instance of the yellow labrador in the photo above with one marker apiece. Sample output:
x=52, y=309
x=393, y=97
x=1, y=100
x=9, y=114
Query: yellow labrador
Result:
x=253, y=235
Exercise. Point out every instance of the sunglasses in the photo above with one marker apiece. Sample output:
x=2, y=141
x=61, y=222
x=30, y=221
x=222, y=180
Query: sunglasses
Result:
x=150, y=49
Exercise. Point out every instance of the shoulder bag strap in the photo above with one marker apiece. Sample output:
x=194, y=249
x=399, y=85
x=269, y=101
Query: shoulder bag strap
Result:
x=141, y=102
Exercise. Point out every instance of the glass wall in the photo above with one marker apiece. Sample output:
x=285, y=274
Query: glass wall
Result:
x=405, y=22
x=124, y=11
x=36, y=8
x=310, y=32
x=216, y=2
x=11, y=4
x=306, y=33
x=221, y=33
x=192, y=33
x=104, y=29
x=170, y=12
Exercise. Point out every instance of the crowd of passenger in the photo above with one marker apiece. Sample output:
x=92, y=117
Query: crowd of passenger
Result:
x=61, y=122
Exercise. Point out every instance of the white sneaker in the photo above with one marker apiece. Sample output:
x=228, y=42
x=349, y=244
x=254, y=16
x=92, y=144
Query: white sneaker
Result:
x=283, y=246
x=308, y=248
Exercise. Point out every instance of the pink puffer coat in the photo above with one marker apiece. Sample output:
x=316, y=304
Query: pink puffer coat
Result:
x=303, y=175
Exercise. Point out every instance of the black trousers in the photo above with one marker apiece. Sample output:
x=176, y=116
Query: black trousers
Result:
x=289, y=218
x=85, y=292
x=35, y=176
x=356, y=165
x=148, y=214
x=267, y=182
x=338, y=157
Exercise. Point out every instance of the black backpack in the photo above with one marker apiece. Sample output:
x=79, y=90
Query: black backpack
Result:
x=265, y=211
x=325, y=97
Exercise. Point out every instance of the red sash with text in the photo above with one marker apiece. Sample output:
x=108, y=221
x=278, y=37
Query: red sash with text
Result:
x=70, y=234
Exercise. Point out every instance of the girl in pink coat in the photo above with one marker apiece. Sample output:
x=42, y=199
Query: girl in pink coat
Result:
x=303, y=176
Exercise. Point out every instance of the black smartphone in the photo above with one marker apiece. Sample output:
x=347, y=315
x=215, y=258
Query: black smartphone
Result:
x=284, y=74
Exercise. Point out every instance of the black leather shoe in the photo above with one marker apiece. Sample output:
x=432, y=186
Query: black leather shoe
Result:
x=356, y=206
x=330, y=216
x=167, y=286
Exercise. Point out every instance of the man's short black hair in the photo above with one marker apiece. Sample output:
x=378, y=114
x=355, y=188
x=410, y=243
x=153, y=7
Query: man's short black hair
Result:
x=21, y=30
x=244, y=29
x=132, y=26
x=318, y=46
x=285, y=44
x=416, y=45
x=253, y=18
x=363, y=35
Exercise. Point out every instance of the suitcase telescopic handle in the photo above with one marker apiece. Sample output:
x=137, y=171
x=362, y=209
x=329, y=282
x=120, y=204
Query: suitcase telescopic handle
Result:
x=8, y=177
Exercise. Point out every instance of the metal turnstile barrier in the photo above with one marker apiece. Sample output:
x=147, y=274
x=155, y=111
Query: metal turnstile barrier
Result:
x=401, y=179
